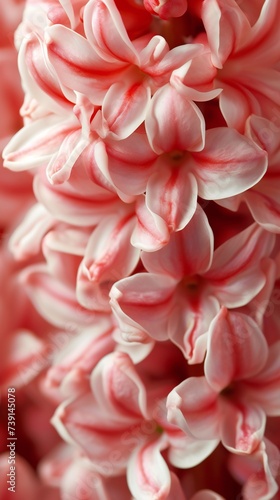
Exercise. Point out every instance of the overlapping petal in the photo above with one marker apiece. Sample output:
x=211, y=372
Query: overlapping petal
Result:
x=243, y=428
x=147, y=299
x=236, y=44
x=124, y=108
x=188, y=253
x=151, y=232
x=106, y=32
x=232, y=336
x=229, y=164
x=193, y=406
x=263, y=388
x=236, y=275
x=150, y=469
x=54, y=300
x=77, y=65
x=103, y=262
x=27, y=238
x=174, y=123
x=35, y=144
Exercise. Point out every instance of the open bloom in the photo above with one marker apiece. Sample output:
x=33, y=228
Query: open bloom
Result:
x=121, y=423
x=262, y=199
x=240, y=386
x=187, y=283
x=247, y=57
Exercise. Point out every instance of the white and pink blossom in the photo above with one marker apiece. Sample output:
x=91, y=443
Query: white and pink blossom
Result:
x=140, y=250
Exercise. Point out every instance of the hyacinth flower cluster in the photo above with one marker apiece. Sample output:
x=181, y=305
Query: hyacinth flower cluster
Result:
x=140, y=251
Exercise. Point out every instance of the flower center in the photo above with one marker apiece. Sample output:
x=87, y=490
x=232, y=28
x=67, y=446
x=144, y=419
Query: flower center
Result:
x=192, y=284
x=177, y=155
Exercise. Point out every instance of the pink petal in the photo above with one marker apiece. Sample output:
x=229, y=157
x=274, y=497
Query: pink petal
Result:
x=263, y=477
x=239, y=290
x=185, y=451
x=235, y=106
x=207, y=495
x=82, y=482
x=229, y=164
x=243, y=250
x=54, y=465
x=164, y=63
x=25, y=357
x=265, y=133
x=39, y=79
x=35, y=143
x=106, y=32
x=264, y=387
x=136, y=350
x=124, y=108
x=152, y=52
x=53, y=300
x=194, y=79
x=193, y=407
x=236, y=350
x=172, y=195
x=257, y=472
x=263, y=44
x=226, y=26
x=81, y=422
x=167, y=9
x=65, y=239
x=77, y=65
x=104, y=263
x=131, y=157
x=64, y=13
x=67, y=204
x=60, y=167
x=96, y=164
x=190, y=331
x=258, y=96
x=147, y=300
x=263, y=202
x=151, y=232
x=148, y=475
x=188, y=252
x=118, y=389
x=81, y=352
x=236, y=275
x=197, y=77
x=258, y=307
x=243, y=428
x=26, y=240
x=63, y=260
x=174, y=123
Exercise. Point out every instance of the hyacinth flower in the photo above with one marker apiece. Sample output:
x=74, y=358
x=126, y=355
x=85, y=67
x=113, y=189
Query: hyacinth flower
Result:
x=136, y=432
x=241, y=43
x=239, y=389
x=186, y=284
x=262, y=199
x=140, y=248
